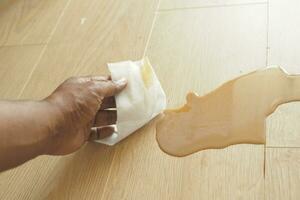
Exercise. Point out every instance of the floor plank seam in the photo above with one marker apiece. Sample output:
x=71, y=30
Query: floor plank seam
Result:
x=265, y=163
x=213, y=6
x=22, y=45
x=144, y=53
x=109, y=174
x=44, y=49
x=151, y=29
x=282, y=147
x=267, y=61
x=268, y=48
x=264, y=166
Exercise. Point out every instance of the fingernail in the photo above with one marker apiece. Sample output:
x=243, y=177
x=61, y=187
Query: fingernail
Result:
x=121, y=81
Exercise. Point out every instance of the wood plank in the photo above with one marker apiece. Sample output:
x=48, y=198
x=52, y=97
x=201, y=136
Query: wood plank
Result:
x=107, y=25
x=17, y=62
x=28, y=21
x=207, y=52
x=80, y=50
x=190, y=52
x=284, y=29
x=76, y=176
x=282, y=173
x=103, y=38
x=142, y=171
x=283, y=128
x=178, y=4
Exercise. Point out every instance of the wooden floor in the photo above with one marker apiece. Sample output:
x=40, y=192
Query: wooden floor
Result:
x=193, y=45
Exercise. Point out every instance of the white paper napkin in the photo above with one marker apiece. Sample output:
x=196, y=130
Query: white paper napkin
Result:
x=139, y=102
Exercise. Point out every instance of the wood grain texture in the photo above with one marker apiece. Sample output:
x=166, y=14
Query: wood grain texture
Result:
x=81, y=175
x=202, y=54
x=283, y=128
x=179, y=4
x=118, y=26
x=282, y=173
x=117, y=33
x=28, y=21
x=112, y=31
x=190, y=52
x=140, y=170
x=284, y=30
x=16, y=64
x=190, y=49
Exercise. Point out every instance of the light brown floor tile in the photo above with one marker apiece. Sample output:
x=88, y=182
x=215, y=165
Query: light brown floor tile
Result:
x=284, y=30
x=80, y=51
x=282, y=174
x=28, y=21
x=177, y=4
x=190, y=52
x=17, y=63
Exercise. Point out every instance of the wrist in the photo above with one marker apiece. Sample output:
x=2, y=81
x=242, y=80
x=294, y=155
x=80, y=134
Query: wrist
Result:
x=46, y=116
x=53, y=123
x=25, y=131
x=26, y=127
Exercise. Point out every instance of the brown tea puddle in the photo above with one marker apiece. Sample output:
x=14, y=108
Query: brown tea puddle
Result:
x=234, y=113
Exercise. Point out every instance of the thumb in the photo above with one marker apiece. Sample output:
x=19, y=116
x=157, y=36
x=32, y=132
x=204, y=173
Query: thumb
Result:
x=110, y=88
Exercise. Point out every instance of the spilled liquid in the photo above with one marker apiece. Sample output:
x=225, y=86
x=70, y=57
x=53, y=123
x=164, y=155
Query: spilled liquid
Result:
x=234, y=113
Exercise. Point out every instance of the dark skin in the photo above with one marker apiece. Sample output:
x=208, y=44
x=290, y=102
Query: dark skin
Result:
x=76, y=112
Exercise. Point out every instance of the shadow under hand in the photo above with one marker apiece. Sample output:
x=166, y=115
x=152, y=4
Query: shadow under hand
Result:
x=83, y=175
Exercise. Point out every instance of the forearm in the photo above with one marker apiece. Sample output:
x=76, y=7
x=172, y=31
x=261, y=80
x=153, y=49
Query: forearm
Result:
x=24, y=131
x=61, y=123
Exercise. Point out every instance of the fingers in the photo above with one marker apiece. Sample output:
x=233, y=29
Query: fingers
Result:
x=98, y=133
x=110, y=88
x=105, y=117
x=108, y=102
x=96, y=78
x=103, y=85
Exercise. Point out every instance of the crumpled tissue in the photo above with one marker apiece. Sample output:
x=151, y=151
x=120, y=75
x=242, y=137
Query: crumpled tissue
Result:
x=139, y=102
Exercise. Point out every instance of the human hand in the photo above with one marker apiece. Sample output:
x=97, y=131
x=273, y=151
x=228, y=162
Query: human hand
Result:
x=79, y=106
